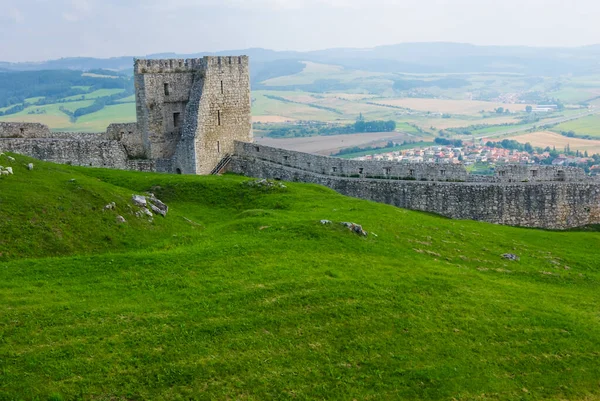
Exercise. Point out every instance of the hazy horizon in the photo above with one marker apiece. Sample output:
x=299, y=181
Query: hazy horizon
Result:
x=40, y=30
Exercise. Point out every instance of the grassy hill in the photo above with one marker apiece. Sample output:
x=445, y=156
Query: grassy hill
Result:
x=241, y=293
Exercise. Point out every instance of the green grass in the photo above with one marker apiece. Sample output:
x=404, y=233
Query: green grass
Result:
x=240, y=293
x=589, y=125
x=95, y=94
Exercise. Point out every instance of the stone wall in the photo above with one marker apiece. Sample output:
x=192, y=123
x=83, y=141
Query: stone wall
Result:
x=192, y=111
x=93, y=153
x=353, y=168
x=553, y=205
x=162, y=89
x=129, y=135
x=23, y=130
x=536, y=173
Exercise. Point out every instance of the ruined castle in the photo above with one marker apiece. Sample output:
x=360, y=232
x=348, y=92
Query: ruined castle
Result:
x=194, y=117
x=189, y=115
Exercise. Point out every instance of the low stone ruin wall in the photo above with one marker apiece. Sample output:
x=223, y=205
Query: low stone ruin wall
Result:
x=552, y=205
x=94, y=153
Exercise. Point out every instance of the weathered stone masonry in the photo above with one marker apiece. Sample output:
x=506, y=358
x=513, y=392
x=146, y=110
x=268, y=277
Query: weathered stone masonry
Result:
x=544, y=204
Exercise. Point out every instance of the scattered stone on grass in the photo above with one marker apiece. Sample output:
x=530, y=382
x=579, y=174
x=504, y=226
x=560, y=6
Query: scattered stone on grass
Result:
x=148, y=203
x=121, y=219
x=139, y=200
x=12, y=159
x=356, y=228
x=157, y=205
x=110, y=206
x=9, y=169
x=264, y=183
x=511, y=256
x=325, y=222
x=30, y=166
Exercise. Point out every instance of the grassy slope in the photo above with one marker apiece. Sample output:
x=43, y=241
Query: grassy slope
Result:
x=257, y=300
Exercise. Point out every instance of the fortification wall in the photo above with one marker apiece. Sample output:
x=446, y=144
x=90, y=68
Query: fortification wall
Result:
x=537, y=173
x=93, y=153
x=23, y=130
x=553, y=205
x=224, y=111
x=129, y=136
x=353, y=168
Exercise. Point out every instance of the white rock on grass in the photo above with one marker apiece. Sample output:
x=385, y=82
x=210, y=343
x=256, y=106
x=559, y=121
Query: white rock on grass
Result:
x=30, y=166
x=10, y=170
x=12, y=159
x=139, y=200
x=121, y=219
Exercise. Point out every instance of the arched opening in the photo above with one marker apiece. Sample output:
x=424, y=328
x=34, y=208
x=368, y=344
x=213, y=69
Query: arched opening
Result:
x=178, y=171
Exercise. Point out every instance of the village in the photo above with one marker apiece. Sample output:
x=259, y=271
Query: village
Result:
x=487, y=156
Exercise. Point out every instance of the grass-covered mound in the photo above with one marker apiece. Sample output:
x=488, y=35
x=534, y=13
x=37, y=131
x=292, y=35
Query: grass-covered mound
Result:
x=241, y=293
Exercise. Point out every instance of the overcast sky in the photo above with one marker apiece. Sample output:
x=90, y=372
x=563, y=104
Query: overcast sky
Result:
x=33, y=30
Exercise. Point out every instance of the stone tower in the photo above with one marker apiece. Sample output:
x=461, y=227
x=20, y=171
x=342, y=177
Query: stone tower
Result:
x=190, y=112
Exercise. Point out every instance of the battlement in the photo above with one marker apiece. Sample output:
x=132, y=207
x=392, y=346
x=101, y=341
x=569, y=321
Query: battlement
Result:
x=166, y=66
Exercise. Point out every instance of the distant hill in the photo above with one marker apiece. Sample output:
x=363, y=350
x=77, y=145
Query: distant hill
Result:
x=407, y=57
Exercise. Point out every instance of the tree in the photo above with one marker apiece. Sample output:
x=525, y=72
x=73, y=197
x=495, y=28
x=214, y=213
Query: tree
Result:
x=528, y=109
x=500, y=110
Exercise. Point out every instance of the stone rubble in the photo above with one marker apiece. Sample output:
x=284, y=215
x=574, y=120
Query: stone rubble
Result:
x=30, y=166
x=511, y=256
x=356, y=228
x=149, y=204
x=264, y=183
x=121, y=219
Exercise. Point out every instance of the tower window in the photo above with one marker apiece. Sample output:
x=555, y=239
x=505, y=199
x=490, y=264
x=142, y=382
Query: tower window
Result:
x=219, y=117
x=176, y=119
x=229, y=60
x=167, y=89
x=218, y=147
x=22, y=130
x=239, y=60
x=221, y=87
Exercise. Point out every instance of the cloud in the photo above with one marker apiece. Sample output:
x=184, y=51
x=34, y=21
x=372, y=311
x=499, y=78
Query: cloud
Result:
x=78, y=10
x=15, y=15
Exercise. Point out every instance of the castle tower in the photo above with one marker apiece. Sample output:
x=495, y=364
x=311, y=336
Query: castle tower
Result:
x=190, y=112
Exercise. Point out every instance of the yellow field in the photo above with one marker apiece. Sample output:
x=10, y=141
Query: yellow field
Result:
x=543, y=139
x=468, y=107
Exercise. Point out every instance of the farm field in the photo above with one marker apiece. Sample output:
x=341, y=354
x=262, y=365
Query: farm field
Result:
x=543, y=139
x=589, y=125
x=241, y=293
x=466, y=107
x=326, y=145
x=59, y=121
